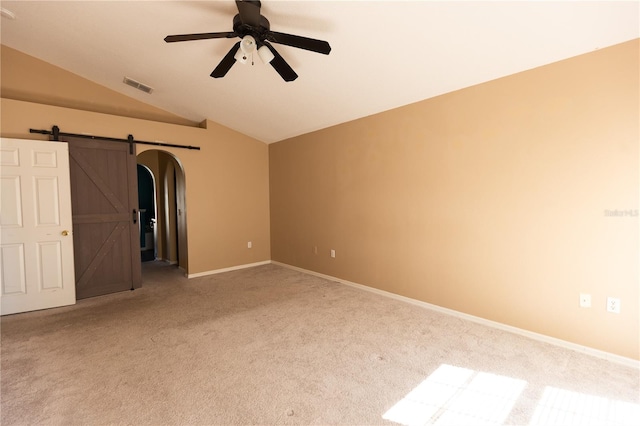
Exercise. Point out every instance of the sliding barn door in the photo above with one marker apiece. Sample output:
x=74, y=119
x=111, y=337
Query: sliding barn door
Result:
x=104, y=196
x=36, y=247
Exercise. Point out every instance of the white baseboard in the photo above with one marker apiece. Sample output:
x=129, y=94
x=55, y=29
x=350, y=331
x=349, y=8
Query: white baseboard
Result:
x=530, y=334
x=232, y=268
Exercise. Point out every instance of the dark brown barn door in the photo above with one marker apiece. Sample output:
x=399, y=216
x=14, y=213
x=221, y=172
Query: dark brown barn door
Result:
x=104, y=198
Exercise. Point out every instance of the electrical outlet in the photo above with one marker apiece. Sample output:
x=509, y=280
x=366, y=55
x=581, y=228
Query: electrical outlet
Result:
x=333, y=253
x=315, y=249
x=585, y=300
x=249, y=244
x=613, y=305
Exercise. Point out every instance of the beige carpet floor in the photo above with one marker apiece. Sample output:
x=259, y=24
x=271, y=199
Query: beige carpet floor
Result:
x=269, y=345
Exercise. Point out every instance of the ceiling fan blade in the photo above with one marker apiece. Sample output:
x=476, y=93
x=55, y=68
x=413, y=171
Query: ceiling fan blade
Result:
x=201, y=36
x=226, y=63
x=280, y=65
x=249, y=12
x=300, y=42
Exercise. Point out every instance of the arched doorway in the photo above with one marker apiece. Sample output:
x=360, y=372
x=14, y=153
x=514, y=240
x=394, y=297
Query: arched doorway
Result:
x=170, y=227
x=147, y=209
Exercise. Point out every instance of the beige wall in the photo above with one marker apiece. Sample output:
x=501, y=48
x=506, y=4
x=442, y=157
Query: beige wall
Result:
x=490, y=200
x=227, y=189
x=26, y=78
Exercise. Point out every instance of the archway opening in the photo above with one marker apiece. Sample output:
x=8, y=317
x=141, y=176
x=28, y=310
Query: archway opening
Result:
x=170, y=227
x=147, y=209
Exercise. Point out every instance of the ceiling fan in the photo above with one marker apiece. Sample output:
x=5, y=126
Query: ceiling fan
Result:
x=255, y=36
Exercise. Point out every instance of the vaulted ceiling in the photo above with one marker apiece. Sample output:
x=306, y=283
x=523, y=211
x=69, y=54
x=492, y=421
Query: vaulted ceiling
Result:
x=384, y=54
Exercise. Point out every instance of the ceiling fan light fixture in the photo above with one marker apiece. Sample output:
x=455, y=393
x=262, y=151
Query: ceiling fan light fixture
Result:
x=241, y=57
x=265, y=54
x=248, y=44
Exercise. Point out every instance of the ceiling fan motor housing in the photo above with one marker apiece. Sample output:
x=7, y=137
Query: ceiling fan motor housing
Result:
x=259, y=33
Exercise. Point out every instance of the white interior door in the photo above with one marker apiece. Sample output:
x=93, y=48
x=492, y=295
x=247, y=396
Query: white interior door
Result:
x=36, y=246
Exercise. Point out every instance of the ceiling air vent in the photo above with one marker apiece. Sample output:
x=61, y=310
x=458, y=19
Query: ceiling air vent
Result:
x=137, y=85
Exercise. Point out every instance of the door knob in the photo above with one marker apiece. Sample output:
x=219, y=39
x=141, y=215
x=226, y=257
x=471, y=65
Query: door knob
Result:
x=65, y=233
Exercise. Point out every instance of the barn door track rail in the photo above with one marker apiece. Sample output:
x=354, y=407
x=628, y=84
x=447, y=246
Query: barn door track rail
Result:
x=56, y=133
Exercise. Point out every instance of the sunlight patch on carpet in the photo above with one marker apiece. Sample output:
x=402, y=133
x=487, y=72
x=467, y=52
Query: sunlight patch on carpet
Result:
x=454, y=396
x=563, y=407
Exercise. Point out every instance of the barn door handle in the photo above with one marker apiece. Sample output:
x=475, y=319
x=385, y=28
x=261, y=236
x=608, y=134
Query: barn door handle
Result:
x=135, y=216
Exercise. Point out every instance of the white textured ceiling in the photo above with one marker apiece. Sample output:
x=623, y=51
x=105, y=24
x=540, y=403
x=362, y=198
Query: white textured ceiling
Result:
x=384, y=53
